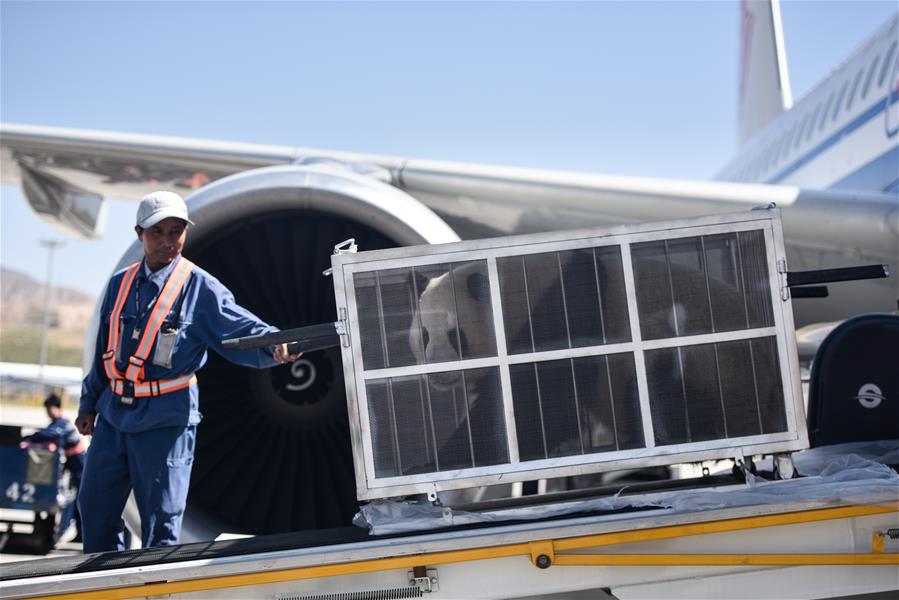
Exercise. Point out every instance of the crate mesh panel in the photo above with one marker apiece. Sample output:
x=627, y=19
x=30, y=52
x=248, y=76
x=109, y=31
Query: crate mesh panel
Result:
x=576, y=406
x=704, y=284
x=715, y=391
x=436, y=422
x=567, y=299
x=437, y=409
x=429, y=314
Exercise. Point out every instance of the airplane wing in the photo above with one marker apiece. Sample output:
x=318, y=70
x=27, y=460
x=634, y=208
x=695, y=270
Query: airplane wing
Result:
x=23, y=376
x=58, y=168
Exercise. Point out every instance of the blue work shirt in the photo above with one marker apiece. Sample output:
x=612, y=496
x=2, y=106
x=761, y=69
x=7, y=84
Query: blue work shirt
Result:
x=60, y=431
x=208, y=314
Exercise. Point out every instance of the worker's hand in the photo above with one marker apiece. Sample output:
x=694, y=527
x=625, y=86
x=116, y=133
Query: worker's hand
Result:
x=282, y=355
x=85, y=424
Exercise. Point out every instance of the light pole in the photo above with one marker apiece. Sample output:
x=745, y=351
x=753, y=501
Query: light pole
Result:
x=51, y=246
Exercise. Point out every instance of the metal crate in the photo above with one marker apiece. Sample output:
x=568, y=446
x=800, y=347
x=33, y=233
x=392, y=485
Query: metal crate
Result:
x=548, y=355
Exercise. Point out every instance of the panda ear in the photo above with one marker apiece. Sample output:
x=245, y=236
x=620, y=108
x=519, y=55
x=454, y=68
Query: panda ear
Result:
x=479, y=287
x=419, y=280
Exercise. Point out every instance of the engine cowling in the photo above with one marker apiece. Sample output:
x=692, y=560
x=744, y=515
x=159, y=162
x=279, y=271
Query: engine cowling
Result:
x=273, y=451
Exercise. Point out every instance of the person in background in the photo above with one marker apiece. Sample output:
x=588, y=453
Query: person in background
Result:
x=140, y=399
x=61, y=432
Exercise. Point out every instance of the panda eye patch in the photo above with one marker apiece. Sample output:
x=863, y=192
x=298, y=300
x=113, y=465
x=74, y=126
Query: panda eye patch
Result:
x=453, y=339
x=457, y=340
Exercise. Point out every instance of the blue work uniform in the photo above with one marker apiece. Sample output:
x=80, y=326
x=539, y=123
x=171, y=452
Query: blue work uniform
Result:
x=149, y=446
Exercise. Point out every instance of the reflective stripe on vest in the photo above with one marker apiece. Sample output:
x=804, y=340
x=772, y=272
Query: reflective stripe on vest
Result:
x=135, y=369
x=109, y=358
x=155, y=388
x=167, y=297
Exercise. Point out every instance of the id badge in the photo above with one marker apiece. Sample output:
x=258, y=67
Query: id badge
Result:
x=165, y=347
x=127, y=398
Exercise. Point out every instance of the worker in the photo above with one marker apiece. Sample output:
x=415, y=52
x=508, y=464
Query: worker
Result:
x=61, y=432
x=140, y=399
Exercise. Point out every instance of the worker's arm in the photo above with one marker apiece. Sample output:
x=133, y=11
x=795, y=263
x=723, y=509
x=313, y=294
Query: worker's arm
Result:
x=220, y=317
x=54, y=432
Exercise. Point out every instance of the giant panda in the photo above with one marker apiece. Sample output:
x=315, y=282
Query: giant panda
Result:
x=438, y=334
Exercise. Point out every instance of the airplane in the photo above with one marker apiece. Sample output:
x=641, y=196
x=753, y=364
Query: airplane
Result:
x=840, y=135
x=24, y=376
x=267, y=218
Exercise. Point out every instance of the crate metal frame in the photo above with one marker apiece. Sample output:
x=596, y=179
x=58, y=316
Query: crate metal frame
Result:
x=345, y=266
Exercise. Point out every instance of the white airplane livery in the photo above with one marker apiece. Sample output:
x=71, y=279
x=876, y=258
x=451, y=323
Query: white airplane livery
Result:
x=843, y=134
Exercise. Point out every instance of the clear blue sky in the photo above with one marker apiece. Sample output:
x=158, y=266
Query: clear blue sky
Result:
x=637, y=88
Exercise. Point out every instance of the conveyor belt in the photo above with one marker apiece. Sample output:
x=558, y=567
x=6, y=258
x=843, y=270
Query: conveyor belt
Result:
x=66, y=565
x=84, y=563
x=320, y=538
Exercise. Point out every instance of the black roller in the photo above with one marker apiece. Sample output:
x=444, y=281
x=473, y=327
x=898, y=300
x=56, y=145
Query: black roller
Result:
x=273, y=451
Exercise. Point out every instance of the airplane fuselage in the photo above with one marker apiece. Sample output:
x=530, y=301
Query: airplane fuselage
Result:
x=843, y=134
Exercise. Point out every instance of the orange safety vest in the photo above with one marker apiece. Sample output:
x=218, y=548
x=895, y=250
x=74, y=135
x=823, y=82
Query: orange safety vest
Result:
x=134, y=373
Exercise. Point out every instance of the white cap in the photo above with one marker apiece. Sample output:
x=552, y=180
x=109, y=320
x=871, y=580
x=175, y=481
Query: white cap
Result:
x=158, y=206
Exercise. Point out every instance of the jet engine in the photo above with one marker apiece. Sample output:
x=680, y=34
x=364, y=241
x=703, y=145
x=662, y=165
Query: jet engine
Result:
x=273, y=450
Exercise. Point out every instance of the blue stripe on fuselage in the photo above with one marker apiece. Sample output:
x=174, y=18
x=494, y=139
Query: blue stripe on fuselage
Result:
x=857, y=122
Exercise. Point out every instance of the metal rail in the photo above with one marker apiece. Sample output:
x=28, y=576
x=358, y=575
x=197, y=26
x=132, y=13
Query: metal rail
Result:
x=542, y=554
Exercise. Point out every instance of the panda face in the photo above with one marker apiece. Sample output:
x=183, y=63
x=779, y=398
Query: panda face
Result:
x=440, y=331
x=439, y=325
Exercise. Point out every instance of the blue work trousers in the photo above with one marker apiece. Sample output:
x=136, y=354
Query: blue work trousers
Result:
x=155, y=464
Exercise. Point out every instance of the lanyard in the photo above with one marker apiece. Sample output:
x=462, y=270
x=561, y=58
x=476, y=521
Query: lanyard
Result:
x=137, y=311
x=146, y=311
